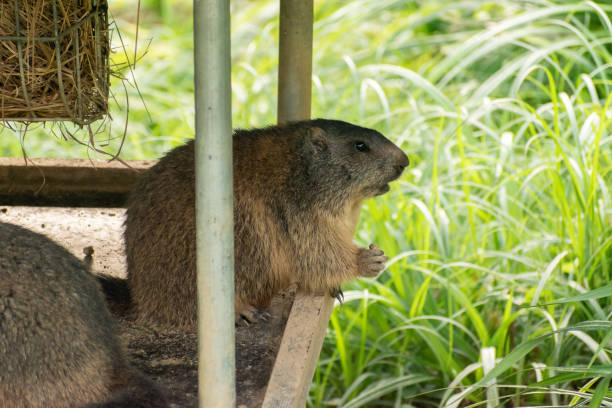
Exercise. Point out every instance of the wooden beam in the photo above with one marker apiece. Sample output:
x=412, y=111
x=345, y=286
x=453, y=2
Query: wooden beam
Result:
x=299, y=351
x=67, y=182
x=305, y=330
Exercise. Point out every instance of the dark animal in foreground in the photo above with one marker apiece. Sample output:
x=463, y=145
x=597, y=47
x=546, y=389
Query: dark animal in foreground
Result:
x=58, y=342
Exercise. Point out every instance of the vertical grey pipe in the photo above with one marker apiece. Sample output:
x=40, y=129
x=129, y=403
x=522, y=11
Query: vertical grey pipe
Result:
x=214, y=204
x=295, y=60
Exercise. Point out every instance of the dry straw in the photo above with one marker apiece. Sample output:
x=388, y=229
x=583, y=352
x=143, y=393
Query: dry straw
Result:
x=54, y=60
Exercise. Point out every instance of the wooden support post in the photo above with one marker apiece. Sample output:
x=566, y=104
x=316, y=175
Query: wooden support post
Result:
x=295, y=60
x=305, y=330
x=299, y=352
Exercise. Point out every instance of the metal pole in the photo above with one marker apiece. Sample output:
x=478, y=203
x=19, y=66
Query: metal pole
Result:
x=295, y=60
x=214, y=204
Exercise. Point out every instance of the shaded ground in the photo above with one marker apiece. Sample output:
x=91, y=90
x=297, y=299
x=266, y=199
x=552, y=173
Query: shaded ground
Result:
x=169, y=357
x=76, y=229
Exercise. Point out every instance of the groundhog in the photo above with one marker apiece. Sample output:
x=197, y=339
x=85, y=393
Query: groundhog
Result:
x=298, y=190
x=58, y=342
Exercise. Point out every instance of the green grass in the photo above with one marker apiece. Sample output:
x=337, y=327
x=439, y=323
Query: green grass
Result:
x=498, y=291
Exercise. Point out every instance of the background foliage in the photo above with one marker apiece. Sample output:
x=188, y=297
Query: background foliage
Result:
x=497, y=293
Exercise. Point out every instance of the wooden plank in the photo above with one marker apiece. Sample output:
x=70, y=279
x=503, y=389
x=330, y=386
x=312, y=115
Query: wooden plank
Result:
x=67, y=182
x=299, y=351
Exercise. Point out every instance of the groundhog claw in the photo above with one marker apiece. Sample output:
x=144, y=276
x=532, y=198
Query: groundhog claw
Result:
x=251, y=314
x=371, y=261
x=247, y=315
x=338, y=294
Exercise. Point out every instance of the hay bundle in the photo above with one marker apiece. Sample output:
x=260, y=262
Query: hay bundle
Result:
x=54, y=60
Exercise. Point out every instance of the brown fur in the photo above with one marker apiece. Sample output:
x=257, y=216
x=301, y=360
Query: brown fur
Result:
x=298, y=191
x=58, y=342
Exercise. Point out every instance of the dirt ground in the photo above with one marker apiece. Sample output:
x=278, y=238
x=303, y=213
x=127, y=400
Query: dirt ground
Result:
x=169, y=357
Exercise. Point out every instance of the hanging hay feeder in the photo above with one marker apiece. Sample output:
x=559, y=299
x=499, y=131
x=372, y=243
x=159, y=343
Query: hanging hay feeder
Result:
x=54, y=60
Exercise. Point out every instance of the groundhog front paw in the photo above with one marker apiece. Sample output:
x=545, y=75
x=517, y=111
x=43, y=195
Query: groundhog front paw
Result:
x=371, y=261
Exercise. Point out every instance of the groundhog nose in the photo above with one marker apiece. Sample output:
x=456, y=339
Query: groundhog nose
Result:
x=402, y=163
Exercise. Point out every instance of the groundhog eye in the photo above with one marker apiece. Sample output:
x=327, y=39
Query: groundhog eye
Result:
x=361, y=147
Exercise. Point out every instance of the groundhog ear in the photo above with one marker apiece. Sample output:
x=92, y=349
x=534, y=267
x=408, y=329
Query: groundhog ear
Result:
x=317, y=140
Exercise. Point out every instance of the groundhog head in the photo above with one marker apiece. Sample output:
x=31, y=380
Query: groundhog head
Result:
x=349, y=162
